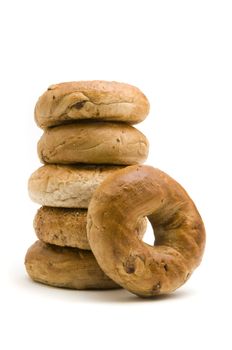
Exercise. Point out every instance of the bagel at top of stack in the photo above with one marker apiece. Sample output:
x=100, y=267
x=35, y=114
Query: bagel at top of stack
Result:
x=91, y=100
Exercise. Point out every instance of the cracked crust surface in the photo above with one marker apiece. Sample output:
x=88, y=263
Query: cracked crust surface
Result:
x=93, y=100
x=67, y=227
x=65, y=267
x=93, y=143
x=67, y=186
x=115, y=207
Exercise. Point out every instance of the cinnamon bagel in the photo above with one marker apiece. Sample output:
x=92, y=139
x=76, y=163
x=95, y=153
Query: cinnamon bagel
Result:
x=93, y=143
x=65, y=267
x=93, y=100
x=67, y=227
x=67, y=186
x=115, y=208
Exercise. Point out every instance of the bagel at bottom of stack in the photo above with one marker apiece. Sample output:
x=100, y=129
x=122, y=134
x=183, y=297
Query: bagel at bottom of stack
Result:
x=65, y=267
x=67, y=186
x=67, y=227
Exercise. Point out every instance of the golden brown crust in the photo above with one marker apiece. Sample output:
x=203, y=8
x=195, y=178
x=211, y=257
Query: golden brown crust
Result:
x=118, y=203
x=62, y=227
x=65, y=267
x=67, y=186
x=93, y=143
x=67, y=227
x=95, y=100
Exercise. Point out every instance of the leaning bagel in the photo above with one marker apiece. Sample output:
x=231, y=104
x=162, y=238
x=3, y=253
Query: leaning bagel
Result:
x=65, y=267
x=115, y=208
x=66, y=227
x=93, y=143
x=67, y=186
x=95, y=100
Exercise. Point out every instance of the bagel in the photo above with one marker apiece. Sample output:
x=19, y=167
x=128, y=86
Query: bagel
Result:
x=67, y=227
x=66, y=186
x=115, y=208
x=95, y=100
x=96, y=143
x=65, y=267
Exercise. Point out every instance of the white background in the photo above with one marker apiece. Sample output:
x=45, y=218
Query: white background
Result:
x=180, y=54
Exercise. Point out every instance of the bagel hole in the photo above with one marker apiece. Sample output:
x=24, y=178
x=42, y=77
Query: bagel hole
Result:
x=149, y=236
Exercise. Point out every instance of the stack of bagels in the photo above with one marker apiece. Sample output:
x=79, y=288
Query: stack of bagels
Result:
x=87, y=136
x=95, y=195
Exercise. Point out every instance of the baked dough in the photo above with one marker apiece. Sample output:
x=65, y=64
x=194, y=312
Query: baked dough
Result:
x=65, y=267
x=67, y=227
x=94, y=100
x=62, y=226
x=67, y=186
x=93, y=143
x=116, y=206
